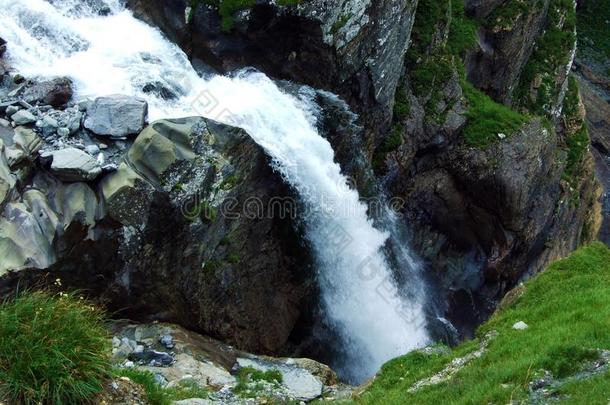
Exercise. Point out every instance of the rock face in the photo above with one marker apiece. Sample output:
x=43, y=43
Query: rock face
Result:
x=475, y=210
x=184, y=230
x=506, y=42
x=116, y=116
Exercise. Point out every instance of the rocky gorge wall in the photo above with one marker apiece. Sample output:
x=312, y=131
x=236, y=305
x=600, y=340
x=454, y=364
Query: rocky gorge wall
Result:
x=495, y=187
x=465, y=118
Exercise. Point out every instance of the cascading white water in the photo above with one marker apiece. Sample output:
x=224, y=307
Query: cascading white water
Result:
x=116, y=53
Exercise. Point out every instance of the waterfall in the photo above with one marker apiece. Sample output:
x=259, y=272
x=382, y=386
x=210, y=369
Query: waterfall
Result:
x=105, y=50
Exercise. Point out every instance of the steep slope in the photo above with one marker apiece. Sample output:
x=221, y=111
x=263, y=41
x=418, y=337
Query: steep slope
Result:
x=493, y=192
x=561, y=354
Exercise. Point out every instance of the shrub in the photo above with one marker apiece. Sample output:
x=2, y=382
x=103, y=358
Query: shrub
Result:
x=53, y=349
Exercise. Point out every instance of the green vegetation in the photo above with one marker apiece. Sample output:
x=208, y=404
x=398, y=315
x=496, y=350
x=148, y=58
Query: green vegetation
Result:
x=567, y=309
x=155, y=393
x=251, y=380
x=487, y=119
x=53, y=349
x=228, y=8
x=430, y=69
x=402, y=108
x=593, y=27
x=504, y=15
x=463, y=30
x=577, y=145
x=577, y=134
x=538, y=89
x=571, y=103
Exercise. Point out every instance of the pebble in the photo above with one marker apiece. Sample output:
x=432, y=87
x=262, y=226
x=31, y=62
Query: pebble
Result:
x=92, y=149
x=167, y=341
x=63, y=132
x=11, y=109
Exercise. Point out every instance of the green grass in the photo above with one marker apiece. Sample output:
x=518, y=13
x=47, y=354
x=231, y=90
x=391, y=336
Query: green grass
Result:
x=551, y=55
x=567, y=309
x=248, y=377
x=487, y=119
x=228, y=8
x=577, y=146
x=53, y=349
x=155, y=393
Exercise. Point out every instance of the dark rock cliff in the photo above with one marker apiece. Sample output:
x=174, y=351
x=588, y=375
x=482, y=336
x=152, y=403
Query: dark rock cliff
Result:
x=486, y=204
x=467, y=118
x=353, y=48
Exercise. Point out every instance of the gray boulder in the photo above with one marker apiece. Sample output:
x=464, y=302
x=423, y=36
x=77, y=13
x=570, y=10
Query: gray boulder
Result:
x=56, y=92
x=73, y=164
x=23, y=117
x=117, y=116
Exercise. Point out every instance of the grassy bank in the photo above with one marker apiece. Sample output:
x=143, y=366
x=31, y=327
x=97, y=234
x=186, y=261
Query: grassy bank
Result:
x=567, y=309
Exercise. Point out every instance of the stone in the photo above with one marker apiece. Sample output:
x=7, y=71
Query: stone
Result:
x=11, y=109
x=23, y=117
x=116, y=116
x=152, y=358
x=56, y=92
x=48, y=126
x=167, y=341
x=193, y=401
x=520, y=325
x=71, y=164
x=127, y=195
x=7, y=180
x=92, y=149
x=63, y=132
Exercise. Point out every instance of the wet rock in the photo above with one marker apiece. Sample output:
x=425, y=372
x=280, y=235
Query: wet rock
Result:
x=11, y=109
x=2, y=47
x=128, y=196
x=116, y=116
x=72, y=164
x=167, y=341
x=151, y=358
x=23, y=117
x=57, y=92
x=7, y=180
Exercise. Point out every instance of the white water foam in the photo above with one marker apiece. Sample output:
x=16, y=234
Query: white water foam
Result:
x=117, y=53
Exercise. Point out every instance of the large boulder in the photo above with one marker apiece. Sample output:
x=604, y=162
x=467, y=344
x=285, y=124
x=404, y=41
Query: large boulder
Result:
x=116, y=116
x=191, y=228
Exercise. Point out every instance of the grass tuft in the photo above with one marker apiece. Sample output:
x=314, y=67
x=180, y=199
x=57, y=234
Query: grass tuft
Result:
x=53, y=349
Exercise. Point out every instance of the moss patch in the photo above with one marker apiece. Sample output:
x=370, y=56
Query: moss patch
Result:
x=487, y=119
x=537, y=89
